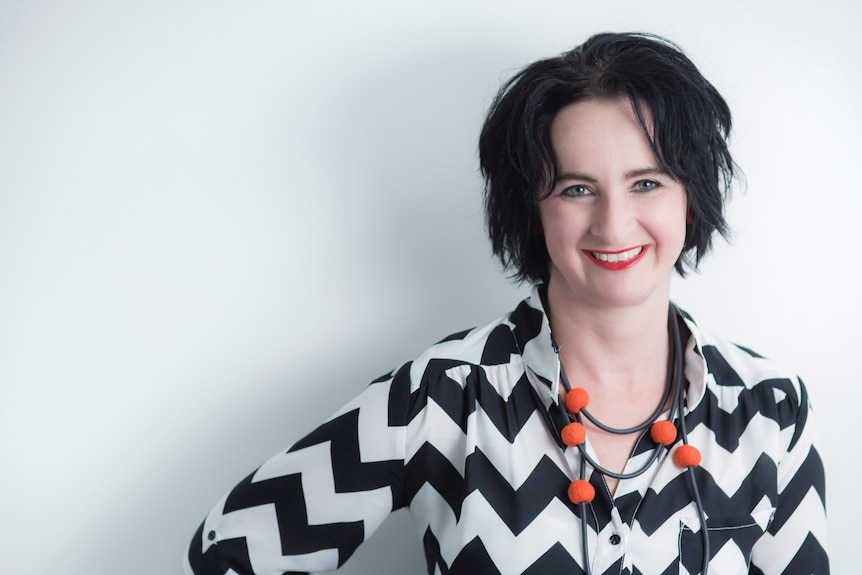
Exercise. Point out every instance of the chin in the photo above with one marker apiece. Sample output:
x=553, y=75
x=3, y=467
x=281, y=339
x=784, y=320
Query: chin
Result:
x=624, y=296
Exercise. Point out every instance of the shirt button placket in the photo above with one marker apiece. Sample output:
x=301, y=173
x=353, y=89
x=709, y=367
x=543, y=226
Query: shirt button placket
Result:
x=611, y=545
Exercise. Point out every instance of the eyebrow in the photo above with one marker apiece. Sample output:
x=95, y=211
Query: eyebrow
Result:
x=653, y=171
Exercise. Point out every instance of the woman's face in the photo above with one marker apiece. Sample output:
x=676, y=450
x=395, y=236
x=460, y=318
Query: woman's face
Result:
x=614, y=223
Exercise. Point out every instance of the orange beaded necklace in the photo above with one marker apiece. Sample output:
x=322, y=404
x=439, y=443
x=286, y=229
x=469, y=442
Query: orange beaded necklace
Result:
x=663, y=432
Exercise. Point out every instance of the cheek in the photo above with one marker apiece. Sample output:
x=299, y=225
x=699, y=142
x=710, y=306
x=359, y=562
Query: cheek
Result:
x=553, y=230
x=675, y=220
x=560, y=228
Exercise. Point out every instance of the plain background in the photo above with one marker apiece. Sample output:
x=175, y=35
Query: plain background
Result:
x=220, y=220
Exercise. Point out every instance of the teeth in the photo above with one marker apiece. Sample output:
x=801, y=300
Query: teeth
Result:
x=620, y=257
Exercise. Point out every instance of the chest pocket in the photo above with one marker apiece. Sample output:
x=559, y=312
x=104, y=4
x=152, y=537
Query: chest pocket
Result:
x=730, y=542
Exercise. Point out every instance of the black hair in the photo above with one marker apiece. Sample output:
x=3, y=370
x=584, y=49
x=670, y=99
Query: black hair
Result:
x=690, y=122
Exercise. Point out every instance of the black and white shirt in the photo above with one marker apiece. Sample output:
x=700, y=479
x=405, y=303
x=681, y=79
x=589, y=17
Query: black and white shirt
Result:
x=467, y=437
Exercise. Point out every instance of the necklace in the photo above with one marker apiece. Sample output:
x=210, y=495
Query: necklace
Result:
x=663, y=432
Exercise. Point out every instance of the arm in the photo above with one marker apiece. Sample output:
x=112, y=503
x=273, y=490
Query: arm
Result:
x=309, y=508
x=795, y=542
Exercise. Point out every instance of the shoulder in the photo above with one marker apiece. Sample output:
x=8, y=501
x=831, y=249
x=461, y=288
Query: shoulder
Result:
x=730, y=367
x=493, y=356
x=492, y=344
x=741, y=387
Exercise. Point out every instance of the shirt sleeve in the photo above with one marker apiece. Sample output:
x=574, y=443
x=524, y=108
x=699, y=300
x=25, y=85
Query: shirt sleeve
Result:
x=308, y=509
x=795, y=542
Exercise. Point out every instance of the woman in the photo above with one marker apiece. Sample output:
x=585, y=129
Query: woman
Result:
x=596, y=428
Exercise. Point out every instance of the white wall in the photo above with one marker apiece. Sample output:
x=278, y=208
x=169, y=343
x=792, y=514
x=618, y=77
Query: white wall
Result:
x=219, y=220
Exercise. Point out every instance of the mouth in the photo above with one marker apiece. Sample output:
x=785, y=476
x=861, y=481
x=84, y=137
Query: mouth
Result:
x=617, y=260
x=614, y=257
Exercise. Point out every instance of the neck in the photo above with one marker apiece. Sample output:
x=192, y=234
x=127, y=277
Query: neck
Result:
x=611, y=349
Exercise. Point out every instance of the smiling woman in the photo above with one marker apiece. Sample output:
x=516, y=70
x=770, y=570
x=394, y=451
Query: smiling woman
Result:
x=596, y=428
x=613, y=209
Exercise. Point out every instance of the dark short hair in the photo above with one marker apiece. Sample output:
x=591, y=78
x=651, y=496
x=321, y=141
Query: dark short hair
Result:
x=690, y=122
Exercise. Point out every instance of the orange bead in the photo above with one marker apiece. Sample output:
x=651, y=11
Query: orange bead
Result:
x=577, y=399
x=581, y=491
x=573, y=434
x=687, y=456
x=663, y=432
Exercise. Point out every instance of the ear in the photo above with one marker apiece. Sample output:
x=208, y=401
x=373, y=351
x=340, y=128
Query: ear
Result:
x=537, y=227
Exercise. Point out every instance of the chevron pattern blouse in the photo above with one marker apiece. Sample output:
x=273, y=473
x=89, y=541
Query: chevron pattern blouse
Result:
x=466, y=437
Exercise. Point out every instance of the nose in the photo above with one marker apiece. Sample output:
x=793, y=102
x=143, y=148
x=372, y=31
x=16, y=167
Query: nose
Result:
x=612, y=219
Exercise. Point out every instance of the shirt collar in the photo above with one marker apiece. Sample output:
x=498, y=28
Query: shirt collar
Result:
x=695, y=363
x=532, y=332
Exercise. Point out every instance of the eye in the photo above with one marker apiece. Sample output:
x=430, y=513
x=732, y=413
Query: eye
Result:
x=576, y=191
x=646, y=185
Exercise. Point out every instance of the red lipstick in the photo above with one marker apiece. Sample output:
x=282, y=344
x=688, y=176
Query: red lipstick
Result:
x=603, y=258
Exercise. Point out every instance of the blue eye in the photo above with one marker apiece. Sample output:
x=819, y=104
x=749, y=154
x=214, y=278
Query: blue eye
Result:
x=646, y=185
x=575, y=191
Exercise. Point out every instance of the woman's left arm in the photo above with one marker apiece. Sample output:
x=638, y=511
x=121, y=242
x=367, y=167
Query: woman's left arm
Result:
x=795, y=542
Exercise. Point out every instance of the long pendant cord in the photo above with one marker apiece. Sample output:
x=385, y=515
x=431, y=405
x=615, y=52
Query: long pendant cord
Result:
x=641, y=426
x=704, y=534
x=675, y=384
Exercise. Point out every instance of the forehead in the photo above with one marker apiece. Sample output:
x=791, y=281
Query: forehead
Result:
x=604, y=131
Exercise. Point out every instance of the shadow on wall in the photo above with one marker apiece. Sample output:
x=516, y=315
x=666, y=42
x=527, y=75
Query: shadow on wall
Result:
x=392, y=150
x=397, y=143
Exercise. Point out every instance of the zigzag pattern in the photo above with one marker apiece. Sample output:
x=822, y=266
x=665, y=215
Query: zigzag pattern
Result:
x=676, y=496
x=474, y=559
x=349, y=472
x=809, y=477
x=467, y=436
x=291, y=487
x=809, y=558
x=512, y=553
x=743, y=537
x=516, y=507
x=726, y=426
x=459, y=399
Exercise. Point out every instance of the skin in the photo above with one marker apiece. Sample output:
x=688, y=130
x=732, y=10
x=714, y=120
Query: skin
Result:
x=610, y=320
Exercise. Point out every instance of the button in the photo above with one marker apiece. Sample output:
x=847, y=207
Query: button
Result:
x=212, y=535
x=615, y=539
